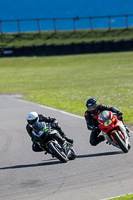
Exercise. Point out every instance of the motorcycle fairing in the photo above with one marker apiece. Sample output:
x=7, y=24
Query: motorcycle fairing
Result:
x=109, y=124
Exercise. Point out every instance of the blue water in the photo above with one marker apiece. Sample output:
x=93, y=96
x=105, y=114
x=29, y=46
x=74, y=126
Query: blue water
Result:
x=28, y=9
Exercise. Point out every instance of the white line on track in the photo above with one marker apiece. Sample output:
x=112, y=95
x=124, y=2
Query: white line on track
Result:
x=54, y=109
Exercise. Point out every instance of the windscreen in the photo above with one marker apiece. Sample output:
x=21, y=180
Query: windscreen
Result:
x=38, y=126
x=104, y=115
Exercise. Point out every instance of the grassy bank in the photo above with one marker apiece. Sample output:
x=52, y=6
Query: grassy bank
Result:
x=64, y=37
x=65, y=82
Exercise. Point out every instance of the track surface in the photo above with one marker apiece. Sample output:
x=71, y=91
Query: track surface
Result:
x=97, y=173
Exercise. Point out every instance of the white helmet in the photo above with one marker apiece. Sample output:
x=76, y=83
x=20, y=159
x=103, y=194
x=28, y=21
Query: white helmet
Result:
x=32, y=118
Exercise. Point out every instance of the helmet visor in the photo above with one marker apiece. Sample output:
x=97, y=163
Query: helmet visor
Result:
x=31, y=122
x=92, y=108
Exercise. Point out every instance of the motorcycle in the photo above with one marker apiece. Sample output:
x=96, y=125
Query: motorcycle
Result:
x=114, y=130
x=44, y=134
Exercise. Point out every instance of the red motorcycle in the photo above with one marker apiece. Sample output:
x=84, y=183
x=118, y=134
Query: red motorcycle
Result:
x=114, y=130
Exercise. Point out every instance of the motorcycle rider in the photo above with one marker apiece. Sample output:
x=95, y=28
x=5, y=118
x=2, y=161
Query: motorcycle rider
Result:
x=91, y=114
x=32, y=118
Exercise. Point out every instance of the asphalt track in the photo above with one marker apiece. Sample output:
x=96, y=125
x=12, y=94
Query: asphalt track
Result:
x=97, y=173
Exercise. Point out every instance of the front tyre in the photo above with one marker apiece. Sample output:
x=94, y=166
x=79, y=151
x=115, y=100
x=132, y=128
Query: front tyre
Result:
x=120, y=142
x=56, y=151
x=72, y=155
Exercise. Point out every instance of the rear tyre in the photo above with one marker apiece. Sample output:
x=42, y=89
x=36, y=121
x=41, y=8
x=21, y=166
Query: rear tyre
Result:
x=120, y=142
x=56, y=151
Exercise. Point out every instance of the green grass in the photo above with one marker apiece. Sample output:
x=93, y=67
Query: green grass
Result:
x=125, y=197
x=64, y=37
x=66, y=82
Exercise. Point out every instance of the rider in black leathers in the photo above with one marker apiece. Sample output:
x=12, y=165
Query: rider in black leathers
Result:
x=93, y=109
x=33, y=117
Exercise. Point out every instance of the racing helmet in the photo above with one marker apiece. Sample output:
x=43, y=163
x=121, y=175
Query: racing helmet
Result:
x=92, y=105
x=32, y=118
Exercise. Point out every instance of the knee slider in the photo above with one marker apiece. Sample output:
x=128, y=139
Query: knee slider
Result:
x=93, y=142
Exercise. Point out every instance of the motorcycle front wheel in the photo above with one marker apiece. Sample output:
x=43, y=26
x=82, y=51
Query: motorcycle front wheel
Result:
x=57, y=152
x=72, y=155
x=120, y=142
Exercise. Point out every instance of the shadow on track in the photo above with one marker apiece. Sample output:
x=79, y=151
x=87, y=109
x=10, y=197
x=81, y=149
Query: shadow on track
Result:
x=55, y=162
x=100, y=154
x=32, y=165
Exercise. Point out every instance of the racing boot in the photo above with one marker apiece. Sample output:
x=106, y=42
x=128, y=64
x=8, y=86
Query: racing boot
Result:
x=69, y=140
x=63, y=135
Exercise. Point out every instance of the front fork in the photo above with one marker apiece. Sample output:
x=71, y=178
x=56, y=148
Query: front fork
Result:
x=122, y=133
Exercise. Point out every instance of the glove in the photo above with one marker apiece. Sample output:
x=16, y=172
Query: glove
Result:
x=52, y=119
x=55, y=124
x=120, y=115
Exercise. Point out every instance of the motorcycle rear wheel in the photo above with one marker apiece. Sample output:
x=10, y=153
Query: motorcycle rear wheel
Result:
x=120, y=142
x=57, y=152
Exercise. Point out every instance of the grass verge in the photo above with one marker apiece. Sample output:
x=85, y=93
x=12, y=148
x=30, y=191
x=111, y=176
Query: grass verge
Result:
x=125, y=197
x=66, y=82
x=64, y=37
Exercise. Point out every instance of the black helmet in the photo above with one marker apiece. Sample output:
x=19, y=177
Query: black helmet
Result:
x=91, y=105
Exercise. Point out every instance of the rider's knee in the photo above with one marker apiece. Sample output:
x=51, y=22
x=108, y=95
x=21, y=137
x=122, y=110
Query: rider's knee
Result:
x=93, y=142
x=36, y=148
